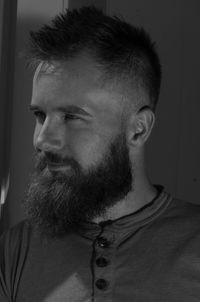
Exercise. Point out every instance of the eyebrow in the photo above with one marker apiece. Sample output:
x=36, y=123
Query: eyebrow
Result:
x=70, y=109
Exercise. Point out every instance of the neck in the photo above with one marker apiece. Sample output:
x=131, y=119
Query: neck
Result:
x=142, y=194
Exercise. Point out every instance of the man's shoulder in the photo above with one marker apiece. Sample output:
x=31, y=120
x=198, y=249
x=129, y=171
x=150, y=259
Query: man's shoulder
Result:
x=17, y=230
x=181, y=215
x=15, y=238
x=184, y=208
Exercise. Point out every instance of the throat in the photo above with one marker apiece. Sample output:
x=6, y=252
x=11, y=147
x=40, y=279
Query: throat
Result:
x=129, y=205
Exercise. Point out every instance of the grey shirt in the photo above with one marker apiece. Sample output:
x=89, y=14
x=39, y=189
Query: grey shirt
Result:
x=149, y=256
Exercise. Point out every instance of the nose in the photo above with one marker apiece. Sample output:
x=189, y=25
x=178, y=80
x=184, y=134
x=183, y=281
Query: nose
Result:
x=49, y=137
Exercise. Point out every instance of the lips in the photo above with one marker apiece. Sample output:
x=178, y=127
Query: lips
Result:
x=57, y=167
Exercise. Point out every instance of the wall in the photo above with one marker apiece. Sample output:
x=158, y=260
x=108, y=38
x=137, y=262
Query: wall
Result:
x=173, y=150
x=174, y=147
x=8, y=11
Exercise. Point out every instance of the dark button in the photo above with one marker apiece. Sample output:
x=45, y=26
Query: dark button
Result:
x=101, y=262
x=101, y=284
x=103, y=242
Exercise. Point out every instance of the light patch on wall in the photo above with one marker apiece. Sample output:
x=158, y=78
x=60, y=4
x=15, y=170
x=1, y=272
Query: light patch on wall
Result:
x=4, y=192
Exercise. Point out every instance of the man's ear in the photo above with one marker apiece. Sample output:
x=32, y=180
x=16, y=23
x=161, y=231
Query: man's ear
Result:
x=140, y=126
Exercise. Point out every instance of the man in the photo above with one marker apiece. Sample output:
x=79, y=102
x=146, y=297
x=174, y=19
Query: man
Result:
x=96, y=228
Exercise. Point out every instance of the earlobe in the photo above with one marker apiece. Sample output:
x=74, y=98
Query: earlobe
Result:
x=141, y=126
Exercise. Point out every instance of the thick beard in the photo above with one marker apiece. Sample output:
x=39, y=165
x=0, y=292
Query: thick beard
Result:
x=57, y=204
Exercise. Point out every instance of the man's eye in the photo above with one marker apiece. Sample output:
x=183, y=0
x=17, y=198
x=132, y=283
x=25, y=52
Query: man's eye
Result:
x=69, y=116
x=40, y=116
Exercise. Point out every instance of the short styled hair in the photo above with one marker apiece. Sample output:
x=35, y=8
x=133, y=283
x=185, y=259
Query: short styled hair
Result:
x=123, y=50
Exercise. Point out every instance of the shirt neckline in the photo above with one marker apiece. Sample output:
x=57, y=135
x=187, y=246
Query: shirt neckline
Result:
x=124, y=225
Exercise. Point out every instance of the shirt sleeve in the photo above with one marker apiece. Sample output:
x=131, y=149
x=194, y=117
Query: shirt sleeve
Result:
x=5, y=294
x=13, y=250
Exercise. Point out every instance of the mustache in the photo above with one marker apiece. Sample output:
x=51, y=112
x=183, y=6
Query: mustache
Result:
x=48, y=158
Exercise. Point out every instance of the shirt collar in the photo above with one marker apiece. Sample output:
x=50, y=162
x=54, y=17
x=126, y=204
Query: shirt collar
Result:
x=116, y=230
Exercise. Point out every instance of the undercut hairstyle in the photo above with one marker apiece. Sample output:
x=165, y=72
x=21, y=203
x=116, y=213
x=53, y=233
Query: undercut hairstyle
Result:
x=122, y=50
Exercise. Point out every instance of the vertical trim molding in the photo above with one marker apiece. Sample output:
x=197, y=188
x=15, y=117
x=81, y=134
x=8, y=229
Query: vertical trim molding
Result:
x=8, y=15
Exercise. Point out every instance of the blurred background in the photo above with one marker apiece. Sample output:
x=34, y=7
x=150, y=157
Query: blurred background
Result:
x=174, y=148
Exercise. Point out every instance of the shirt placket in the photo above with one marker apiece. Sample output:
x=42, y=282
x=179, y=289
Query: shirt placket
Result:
x=103, y=267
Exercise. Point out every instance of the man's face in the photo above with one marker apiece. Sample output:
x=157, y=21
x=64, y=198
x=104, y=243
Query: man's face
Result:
x=83, y=163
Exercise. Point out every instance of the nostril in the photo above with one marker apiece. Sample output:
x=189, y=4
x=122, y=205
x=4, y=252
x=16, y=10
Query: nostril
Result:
x=49, y=144
x=38, y=150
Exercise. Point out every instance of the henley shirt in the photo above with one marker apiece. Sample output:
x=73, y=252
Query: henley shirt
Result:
x=152, y=255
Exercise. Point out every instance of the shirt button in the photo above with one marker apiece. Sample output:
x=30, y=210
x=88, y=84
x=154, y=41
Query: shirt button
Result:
x=101, y=284
x=101, y=262
x=103, y=242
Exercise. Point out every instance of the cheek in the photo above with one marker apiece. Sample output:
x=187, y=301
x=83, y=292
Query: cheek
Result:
x=88, y=150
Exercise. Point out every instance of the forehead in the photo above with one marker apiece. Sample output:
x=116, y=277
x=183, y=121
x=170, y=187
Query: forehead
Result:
x=68, y=72
x=78, y=81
